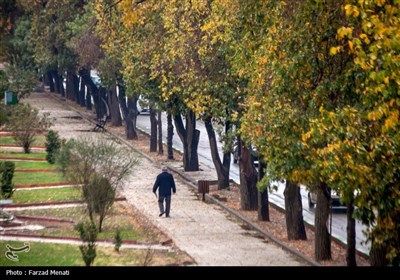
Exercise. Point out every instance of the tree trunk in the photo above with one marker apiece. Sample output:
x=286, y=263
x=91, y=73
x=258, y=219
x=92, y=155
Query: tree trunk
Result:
x=190, y=137
x=72, y=86
x=58, y=82
x=131, y=119
x=27, y=148
x=48, y=80
x=263, y=203
x=86, y=93
x=75, y=87
x=102, y=104
x=248, y=179
x=82, y=93
x=130, y=123
x=153, y=130
x=85, y=192
x=54, y=78
x=170, y=135
x=294, y=212
x=116, y=119
x=322, y=236
x=263, y=206
x=351, y=234
x=70, y=93
x=377, y=255
x=51, y=80
x=92, y=90
x=88, y=99
x=61, y=85
x=222, y=168
x=101, y=219
x=160, y=134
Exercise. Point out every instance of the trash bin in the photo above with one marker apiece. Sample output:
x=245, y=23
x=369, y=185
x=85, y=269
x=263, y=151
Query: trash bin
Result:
x=10, y=98
x=203, y=187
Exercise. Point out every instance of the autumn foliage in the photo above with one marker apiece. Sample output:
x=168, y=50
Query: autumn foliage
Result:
x=313, y=84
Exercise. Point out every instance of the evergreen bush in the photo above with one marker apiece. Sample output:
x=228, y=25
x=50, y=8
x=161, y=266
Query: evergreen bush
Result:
x=88, y=233
x=7, y=173
x=53, y=145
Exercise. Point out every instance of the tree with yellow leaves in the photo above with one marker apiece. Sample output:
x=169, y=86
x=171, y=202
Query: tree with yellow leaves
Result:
x=371, y=147
x=294, y=78
x=116, y=43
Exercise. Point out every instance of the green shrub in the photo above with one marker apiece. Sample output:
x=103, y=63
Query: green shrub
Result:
x=99, y=196
x=88, y=233
x=118, y=240
x=53, y=145
x=7, y=173
x=25, y=123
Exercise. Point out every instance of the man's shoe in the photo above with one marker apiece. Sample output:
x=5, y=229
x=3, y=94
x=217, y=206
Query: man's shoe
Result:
x=162, y=213
x=167, y=216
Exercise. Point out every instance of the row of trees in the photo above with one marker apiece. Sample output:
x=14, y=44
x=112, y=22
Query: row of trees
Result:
x=312, y=84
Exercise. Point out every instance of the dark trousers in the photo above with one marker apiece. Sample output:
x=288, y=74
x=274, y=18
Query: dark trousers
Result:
x=167, y=204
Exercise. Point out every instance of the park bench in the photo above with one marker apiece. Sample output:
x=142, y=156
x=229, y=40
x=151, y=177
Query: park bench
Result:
x=203, y=187
x=100, y=124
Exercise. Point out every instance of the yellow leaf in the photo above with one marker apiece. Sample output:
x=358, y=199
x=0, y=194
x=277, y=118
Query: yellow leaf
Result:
x=262, y=60
x=386, y=80
x=365, y=38
x=351, y=11
x=391, y=122
x=257, y=104
x=351, y=46
x=344, y=32
x=306, y=136
x=380, y=3
x=347, y=8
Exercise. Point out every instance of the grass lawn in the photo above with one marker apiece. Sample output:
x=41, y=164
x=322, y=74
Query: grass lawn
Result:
x=39, y=140
x=29, y=178
x=35, y=165
x=46, y=195
x=7, y=140
x=45, y=254
x=4, y=153
x=119, y=217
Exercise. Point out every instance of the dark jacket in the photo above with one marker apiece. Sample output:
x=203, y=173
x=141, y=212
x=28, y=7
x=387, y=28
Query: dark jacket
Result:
x=165, y=181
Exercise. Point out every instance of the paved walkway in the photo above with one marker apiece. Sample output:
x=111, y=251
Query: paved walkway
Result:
x=202, y=230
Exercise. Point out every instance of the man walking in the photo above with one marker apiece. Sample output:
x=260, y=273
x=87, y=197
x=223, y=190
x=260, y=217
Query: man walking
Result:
x=164, y=183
